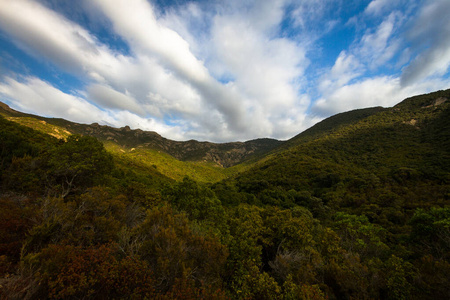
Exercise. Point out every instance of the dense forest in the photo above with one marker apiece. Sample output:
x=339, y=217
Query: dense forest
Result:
x=356, y=207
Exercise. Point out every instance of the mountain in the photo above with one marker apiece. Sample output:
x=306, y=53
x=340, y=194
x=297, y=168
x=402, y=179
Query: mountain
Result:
x=334, y=123
x=361, y=156
x=356, y=207
x=203, y=161
x=366, y=128
x=225, y=155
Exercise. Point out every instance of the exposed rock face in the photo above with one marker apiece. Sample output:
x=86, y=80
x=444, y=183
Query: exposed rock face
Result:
x=440, y=101
x=437, y=102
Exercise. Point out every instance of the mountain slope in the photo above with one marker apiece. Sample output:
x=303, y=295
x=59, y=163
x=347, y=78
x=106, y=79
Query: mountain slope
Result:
x=364, y=138
x=333, y=123
x=202, y=161
x=400, y=153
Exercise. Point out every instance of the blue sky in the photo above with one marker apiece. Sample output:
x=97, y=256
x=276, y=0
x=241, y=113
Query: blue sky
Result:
x=219, y=70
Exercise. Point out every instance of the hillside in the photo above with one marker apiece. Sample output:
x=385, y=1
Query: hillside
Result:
x=334, y=123
x=409, y=141
x=356, y=207
x=203, y=161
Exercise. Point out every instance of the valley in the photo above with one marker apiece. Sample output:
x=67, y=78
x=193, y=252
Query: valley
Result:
x=355, y=207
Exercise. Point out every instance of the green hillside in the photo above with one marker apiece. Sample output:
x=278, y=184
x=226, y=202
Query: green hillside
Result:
x=202, y=161
x=397, y=157
x=333, y=124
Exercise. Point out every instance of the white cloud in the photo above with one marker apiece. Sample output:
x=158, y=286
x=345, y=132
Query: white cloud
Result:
x=137, y=23
x=264, y=70
x=153, y=39
x=377, y=6
x=349, y=84
x=107, y=97
x=163, y=79
x=379, y=91
x=36, y=96
x=431, y=31
x=44, y=33
x=38, y=29
x=367, y=93
x=373, y=49
x=308, y=13
x=379, y=47
x=346, y=68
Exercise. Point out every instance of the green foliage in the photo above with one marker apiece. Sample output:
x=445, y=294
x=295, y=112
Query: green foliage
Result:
x=292, y=291
x=94, y=273
x=89, y=219
x=16, y=219
x=258, y=285
x=335, y=122
x=200, y=203
x=431, y=230
x=434, y=277
x=21, y=149
x=399, y=279
x=170, y=166
x=173, y=250
x=359, y=235
x=18, y=141
x=79, y=162
x=42, y=126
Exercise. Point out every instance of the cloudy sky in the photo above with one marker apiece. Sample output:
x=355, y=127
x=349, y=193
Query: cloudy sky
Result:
x=219, y=70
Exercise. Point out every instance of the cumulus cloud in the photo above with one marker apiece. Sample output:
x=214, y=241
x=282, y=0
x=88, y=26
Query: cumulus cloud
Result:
x=140, y=84
x=107, y=97
x=39, y=97
x=379, y=91
x=346, y=68
x=262, y=69
x=308, y=13
x=265, y=70
x=382, y=91
x=44, y=33
x=163, y=79
x=380, y=46
x=35, y=95
x=377, y=6
x=432, y=31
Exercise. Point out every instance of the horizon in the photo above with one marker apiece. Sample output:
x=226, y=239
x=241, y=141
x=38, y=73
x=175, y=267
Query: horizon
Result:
x=218, y=72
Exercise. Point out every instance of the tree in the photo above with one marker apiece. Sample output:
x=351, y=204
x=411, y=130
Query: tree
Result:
x=431, y=230
x=68, y=272
x=174, y=251
x=79, y=162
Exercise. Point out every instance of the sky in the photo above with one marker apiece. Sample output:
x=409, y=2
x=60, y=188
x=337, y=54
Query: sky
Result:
x=219, y=70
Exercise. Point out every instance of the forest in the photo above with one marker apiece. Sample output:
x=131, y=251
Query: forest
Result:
x=356, y=207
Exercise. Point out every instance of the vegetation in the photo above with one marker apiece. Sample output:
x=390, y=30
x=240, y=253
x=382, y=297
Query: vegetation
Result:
x=357, y=207
x=168, y=165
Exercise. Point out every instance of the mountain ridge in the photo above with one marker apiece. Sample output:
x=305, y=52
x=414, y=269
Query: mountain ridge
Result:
x=223, y=154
